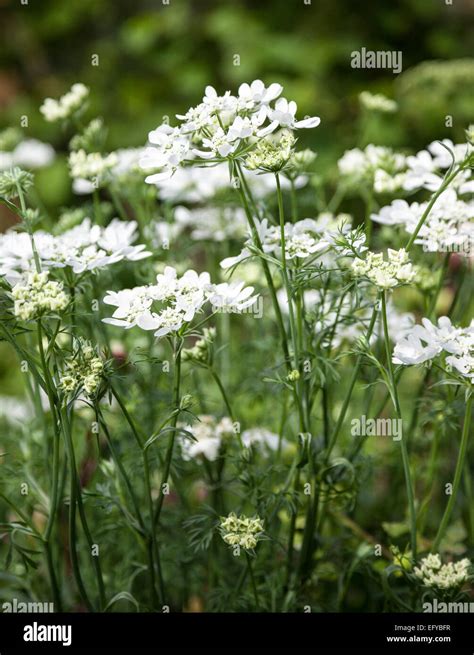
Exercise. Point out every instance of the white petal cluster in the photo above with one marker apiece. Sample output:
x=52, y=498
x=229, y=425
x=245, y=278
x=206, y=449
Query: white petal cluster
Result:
x=92, y=167
x=433, y=573
x=89, y=171
x=29, y=153
x=377, y=102
x=260, y=437
x=241, y=530
x=220, y=126
x=173, y=301
x=84, y=248
x=67, y=105
x=37, y=296
x=448, y=227
x=303, y=239
x=427, y=341
x=385, y=274
x=209, y=434
x=212, y=223
x=344, y=321
x=374, y=163
x=426, y=168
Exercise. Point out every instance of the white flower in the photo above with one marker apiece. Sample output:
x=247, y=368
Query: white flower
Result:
x=37, y=296
x=385, y=274
x=256, y=93
x=377, y=102
x=208, y=434
x=432, y=573
x=218, y=126
x=302, y=239
x=93, y=167
x=261, y=437
x=172, y=302
x=231, y=297
x=170, y=147
x=427, y=341
x=284, y=115
x=67, y=105
x=84, y=247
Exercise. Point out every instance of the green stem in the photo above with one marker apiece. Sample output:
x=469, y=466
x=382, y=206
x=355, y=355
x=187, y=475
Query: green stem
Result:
x=457, y=474
x=446, y=182
x=73, y=489
x=254, y=585
x=403, y=446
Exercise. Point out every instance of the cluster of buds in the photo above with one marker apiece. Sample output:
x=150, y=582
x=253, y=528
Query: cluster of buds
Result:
x=241, y=530
x=83, y=370
x=38, y=296
x=433, y=573
x=201, y=352
x=385, y=274
x=91, y=166
x=272, y=154
x=67, y=105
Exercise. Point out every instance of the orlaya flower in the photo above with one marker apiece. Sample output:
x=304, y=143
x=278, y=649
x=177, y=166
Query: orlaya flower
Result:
x=284, y=115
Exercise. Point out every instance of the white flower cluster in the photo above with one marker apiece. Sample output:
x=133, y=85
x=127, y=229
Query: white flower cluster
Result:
x=426, y=168
x=344, y=321
x=376, y=166
x=209, y=434
x=92, y=167
x=84, y=248
x=37, y=296
x=261, y=437
x=377, y=102
x=427, y=341
x=67, y=105
x=448, y=227
x=173, y=301
x=212, y=223
x=388, y=172
x=220, y=126
x=89, y=171
x=302, y=239
x=29, y=153
x=198, y=184
x=82, y=371
x=241, y=530
x=385, y=274
x=433, y=573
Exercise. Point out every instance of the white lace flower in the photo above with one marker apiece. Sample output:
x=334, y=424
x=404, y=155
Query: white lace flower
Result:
x=209, y=435
x=83, y=248
x=67, y=105
x=432, y=573
x=172, y=301
x=427, y=341
x=284, y=115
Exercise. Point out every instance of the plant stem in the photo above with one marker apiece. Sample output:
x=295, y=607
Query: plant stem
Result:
x=403, y=446
x=457, y=474
x=252, y=578
x=446, y=182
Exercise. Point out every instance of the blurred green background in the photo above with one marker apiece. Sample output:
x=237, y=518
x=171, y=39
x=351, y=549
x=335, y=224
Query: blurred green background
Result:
x=155, y=59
